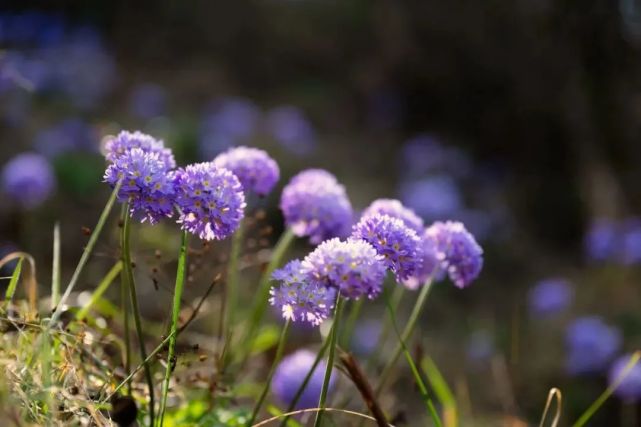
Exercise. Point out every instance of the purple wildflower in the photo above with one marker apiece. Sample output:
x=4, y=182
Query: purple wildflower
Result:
x=600, y=242
x=591, y=344
x=550, y=296
x=125, y=141
x=289, y=376
x=315, y=204
x=300, y=299
x=254, y=168
x=145, y=184
x=211, y=200
x=399, y=245
x=457, y=250
x=395, y=209
x=28, y=179
x=432, y=198
x=630, y=387
x=291, y=129
x=631, y=241
x=353, y=267
x=430, y=265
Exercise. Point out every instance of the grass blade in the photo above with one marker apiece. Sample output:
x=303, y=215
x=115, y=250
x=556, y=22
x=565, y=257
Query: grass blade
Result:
x=13, y=283
x=55, y=268
x=442, y=391
x=100, y=290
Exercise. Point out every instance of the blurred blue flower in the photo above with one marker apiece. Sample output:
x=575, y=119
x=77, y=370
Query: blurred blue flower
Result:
x=431, y=266
x=227, y=122
x=631, y=241
x=426, y=155
x=291, y=129
x=630, y=388
x=28, y=179
x=67, y=136
x=550, y=296
x=365, y=337
x=147, y=100
x=432, y=198
x=591, y=344
x=600, y=241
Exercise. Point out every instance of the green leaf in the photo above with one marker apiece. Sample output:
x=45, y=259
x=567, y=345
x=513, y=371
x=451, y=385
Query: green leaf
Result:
x=266, y=339
x=441, y=390
x=13, y=284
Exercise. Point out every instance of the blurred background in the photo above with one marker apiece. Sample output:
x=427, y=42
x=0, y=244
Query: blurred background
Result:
x=521, y=119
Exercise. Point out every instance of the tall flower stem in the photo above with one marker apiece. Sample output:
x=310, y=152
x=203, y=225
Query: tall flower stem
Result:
x=405, y=336
x=125, y=303
x=268, y=381
x=262, y=293
x=131, y=284
x=333, y=336
x=173, y=328
x=350, y=323
x=231, y=291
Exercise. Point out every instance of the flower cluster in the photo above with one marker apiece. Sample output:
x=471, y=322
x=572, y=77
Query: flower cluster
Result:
x=126, y=141
x=353, y=267
x=316, y=205
x=300, y=299
x=430, y=266
x=395, y=209
x=211, y=200
x=591, y=345
x=28, y=179
x=254, y=168
x=146, y=185
x=457, y=250
x=399, y=245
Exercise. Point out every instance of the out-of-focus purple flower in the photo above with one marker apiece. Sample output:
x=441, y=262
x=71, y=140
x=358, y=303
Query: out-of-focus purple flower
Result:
x=425, y=154
x=226, y=123
x=291, y=373
x=126, y=141
x=28, y=179
x=147, y=100
x=457, y=250
x=316, y=205
x=211, y=200
x=255, y=169
x=365, y=337
x=291, y=129
x=550, y=296
x=480, y=346
x=433, y=198
x=67, y=136
x=430, y=265
x=399, y=245
x=145, y=184
x=631, y=241
x=591, y=344
x=353, y=267
x=600, y=242
x=630, y=387
x=395, y=209
x=301, y=299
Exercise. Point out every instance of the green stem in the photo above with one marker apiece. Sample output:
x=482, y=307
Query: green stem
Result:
x=268, y=381
x=55, y=269
x=131, y=284
x=407, y=333
x=124, y=302
x=85, y=255
x=262, y=293
x=175, y=314
x=231, y=291
x=100, y=290
x=330, y=360
x=417, y=376
x=303, y=385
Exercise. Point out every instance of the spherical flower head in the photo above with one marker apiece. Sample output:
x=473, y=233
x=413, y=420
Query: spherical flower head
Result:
x=600, y=242
x=591, y=344
x=125, y=141
x=300, y=299
x=28, y=179
x=254, y=168
x=316, y=205
x=291, y=373
x=211, y=200
x=395, y=209
x=146, y=184
x=458, y=252
x=399, y=245
x=353, y=267
x=630, y=387
x=550, y=296
x=430, y=268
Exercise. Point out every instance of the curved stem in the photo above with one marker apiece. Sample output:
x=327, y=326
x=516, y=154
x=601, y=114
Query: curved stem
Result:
x=131, y=284
x=330, y=360
x=175, y=313
x=268, y=381
x=405, y=336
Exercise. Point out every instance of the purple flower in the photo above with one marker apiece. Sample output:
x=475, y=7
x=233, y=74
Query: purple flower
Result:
x=591, y=344
x=353, y=267
x=457, y=250
x=125, y=141
x=291, y=373
x=254, y=168
x=631, y=241
x=301, y=299
x=630, y=387
x=291, y=129
x=211, y=200
x=433, y=198
x=315, y=204
x=399, y=245
x=395, y=209
x=226, y=123
x=147, y=100
x=28, y=179
x=600, y=242
x=430, y=268
x=145, y=184
x=550, y=296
